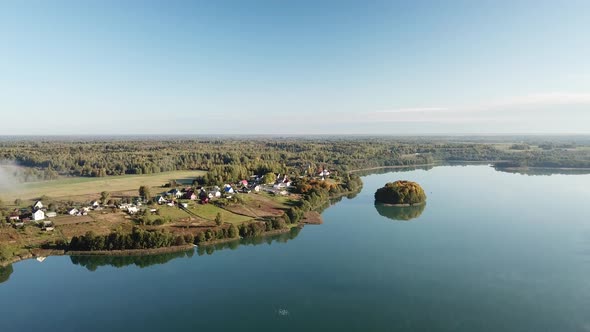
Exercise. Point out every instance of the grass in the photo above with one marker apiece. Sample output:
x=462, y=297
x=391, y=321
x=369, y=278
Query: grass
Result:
x=86, y=188
x=209, y=211
x=173, y=212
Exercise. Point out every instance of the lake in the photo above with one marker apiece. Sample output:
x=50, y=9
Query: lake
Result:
x=490, y=251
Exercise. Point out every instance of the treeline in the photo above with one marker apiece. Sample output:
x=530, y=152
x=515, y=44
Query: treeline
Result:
x=232, y=159
x=316, y=193
x=137, y=239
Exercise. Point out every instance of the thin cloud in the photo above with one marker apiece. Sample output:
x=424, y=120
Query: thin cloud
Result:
x=485, y=112
x=414, y=109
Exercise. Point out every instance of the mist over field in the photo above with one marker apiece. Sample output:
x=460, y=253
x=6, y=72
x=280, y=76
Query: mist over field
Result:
x=10, y=176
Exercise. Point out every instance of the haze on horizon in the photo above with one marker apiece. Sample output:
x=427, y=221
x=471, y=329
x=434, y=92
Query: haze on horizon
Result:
x=305, y=67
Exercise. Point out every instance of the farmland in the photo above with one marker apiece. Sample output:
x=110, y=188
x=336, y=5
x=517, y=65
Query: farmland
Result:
x=83, y=189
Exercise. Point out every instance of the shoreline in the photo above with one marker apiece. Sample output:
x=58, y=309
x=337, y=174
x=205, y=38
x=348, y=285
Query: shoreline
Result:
x=131, y=252
x=396, y=166
x=400, y=205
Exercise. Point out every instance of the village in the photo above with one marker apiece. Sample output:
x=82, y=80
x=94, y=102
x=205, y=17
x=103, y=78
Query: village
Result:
x=182, y=197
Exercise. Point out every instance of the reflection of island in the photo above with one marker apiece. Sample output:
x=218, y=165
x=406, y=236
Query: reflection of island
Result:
x=400, y=212
x=93, y=262
x=5, y=272
x=280, y=238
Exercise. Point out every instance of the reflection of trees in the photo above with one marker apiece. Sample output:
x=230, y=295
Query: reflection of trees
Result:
x=93, y=262
x=392, y=169
x=5, y=272
x=257, y=240
x=400, y=212
x=542, y=171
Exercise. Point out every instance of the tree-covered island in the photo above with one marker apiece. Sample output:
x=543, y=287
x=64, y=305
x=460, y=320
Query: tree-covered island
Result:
x=400, y=193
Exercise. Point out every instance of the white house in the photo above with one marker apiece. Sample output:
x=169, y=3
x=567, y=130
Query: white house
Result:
x=132, y=209
x=214, y=193
x=279, y=185
x=160, y=200
x=51, y=214
x=257, y=188
x=175, y=192
x=38, y=215
x=324, y=172
x=73, y=212
x=95, y=204
x=38, y=205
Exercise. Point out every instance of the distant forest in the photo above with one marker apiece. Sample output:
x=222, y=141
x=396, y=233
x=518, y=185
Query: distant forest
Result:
x=235, y=158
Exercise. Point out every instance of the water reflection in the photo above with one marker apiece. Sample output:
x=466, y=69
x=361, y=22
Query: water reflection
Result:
x=395, y=169
x=543, y=171
x=93, y=262
x=400, y=212
x=279, y=238
x=5, y=272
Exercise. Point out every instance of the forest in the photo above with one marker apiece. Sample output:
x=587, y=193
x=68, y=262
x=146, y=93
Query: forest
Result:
x=231, y=159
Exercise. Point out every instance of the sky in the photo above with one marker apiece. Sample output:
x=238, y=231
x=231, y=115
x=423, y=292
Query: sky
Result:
x=294, y=67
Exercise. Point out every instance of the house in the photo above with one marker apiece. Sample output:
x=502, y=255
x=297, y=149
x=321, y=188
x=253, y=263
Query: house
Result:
x=244, y=183
x=279, y=185
x=73, y=212
x=160, y=200
x=170, y=204
x=190, y=195
x=184, y=205
x=38, y=215
x=283, y=192
x=214, y=193
x=153, y=210
x=86, y=209
x=13, y=217
x=51, y=214
x=132, y=209
x=176, y=193
x=324, y=173
x=38, y=205
x=228, y=189
x=95, y=204
x=256, y=188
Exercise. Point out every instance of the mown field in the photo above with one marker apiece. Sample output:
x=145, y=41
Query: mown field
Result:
x=88, y=188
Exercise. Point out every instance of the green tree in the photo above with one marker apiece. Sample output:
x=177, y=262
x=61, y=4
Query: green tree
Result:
x=144, y=192
x=233, y=231
x=270, y=177
x=104, y=197
x=218, y=219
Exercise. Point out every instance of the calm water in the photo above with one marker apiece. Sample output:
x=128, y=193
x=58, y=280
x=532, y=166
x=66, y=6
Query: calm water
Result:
x=490, y=251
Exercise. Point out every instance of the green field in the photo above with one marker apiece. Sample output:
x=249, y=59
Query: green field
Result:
x=209, y=211
x=86, y=188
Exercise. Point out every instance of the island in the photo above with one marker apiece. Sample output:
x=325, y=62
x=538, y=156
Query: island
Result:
x=401, y=193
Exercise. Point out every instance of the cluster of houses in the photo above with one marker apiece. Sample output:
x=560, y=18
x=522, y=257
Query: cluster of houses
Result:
x=203, y=194
x=38, y=215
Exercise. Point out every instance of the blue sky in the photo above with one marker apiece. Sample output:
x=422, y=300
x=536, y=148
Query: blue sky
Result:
x=299, y=67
